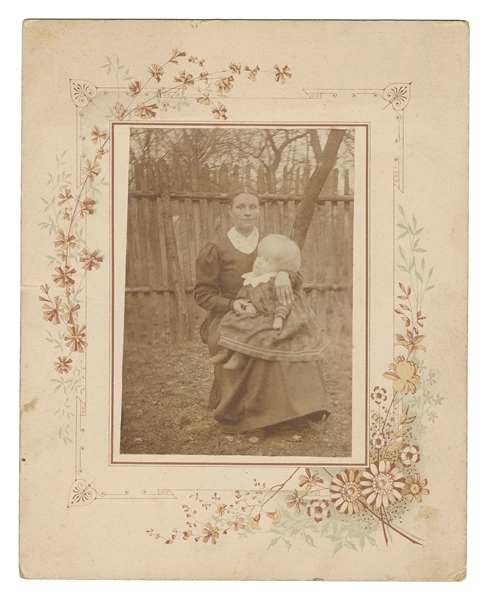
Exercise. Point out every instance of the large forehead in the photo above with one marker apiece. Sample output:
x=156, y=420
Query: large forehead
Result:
x=272, y=245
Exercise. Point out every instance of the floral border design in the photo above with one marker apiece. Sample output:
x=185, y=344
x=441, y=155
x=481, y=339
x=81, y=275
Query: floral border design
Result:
x=347, y=506
x=71, y=201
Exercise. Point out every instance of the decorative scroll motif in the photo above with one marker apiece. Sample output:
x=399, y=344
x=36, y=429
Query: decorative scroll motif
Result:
x=81, y=493
x=397, y=95
x=82, y=91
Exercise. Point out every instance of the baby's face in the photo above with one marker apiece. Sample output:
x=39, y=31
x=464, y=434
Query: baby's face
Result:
x=264, y=263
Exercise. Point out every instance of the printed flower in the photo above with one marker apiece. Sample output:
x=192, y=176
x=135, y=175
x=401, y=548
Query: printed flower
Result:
x=187, y=534
x=414, y=488
x=221, y=509
x=135, y=88
x=318, y=510
x=119, y=110
x=146, y=111
x=210, y=533
x=281, y=74
x=65, y=196
x=382, y=484
x=294, y=500
x=235, y=68
x=252, y=72
x=176, y=54
x=76, y=338
x=220, y=112
x=185, y=79
x=64, y=240
x=63, y=365
x=404, y=374
x=92, y=260
x=346, y=493
x=63, y=277
x=224, y=84
x=91, y=170
x=66, y=215
x=52, y=313
x=97, y=134
x=254, y=522
x=310, y=480
x=378, y=395
x=203, y=76
x=411, y=342
x=87, y=207
x=204, y=99
x=409, y=455
x=378, y=441
x=274, y=516
x=237, y=524
x=70, y=312
x=156, y=71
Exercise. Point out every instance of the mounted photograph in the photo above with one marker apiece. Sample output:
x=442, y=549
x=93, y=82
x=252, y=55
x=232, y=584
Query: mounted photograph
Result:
x=239, y=291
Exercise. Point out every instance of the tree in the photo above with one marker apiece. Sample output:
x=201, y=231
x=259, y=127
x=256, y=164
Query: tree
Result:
x=325, y=162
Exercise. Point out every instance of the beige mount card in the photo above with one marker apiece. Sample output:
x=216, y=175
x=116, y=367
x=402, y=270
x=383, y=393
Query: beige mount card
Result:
x=155, y=155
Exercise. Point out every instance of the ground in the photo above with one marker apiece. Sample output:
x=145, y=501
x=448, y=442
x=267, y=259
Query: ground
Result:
x=165, y=407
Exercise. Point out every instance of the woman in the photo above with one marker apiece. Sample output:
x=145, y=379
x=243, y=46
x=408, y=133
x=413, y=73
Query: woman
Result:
x=263, y=393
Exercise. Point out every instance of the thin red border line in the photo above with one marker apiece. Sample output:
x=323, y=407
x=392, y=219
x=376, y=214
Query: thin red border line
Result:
x=111, y=404
x=366, y=404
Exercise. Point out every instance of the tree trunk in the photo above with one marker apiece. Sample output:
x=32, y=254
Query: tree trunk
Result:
x=307, y=205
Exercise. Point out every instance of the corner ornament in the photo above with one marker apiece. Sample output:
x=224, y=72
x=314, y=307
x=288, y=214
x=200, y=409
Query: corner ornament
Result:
x=82, y=92
x=397, y=95
x=81, y=493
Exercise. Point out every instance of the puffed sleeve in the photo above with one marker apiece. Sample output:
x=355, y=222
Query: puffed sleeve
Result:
x=207, y=288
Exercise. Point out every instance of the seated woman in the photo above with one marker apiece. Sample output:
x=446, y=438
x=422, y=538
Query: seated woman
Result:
x=263, y=393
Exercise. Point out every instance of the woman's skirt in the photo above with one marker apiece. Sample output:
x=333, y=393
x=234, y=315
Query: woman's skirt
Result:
x=265, y=393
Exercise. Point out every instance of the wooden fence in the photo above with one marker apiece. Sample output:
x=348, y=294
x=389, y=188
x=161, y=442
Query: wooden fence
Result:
x=198, y=217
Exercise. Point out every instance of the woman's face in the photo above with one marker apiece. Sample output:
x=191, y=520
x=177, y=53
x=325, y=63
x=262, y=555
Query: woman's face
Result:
x=244, y=211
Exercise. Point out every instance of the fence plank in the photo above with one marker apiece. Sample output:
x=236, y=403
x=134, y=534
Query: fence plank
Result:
x=152, y=310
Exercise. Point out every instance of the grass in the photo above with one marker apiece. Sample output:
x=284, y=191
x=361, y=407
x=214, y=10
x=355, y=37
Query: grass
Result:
x=165, y=405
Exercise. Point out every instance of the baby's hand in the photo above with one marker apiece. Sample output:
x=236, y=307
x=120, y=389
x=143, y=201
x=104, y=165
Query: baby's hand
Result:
x=240, y=306
x=251, y=310
x=278, y=323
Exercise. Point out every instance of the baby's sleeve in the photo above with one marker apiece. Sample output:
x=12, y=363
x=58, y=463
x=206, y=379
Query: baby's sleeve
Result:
x=282, y=311
x=243, y=293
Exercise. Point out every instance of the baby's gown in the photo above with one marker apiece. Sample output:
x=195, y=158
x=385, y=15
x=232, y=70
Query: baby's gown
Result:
x=300, y=339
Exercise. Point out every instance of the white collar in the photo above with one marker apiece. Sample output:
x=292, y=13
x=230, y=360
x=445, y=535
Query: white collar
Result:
x=254, y=280
x=244, y=244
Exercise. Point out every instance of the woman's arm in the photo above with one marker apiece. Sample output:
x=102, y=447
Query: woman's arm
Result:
x=285, y=283
x=207, y=289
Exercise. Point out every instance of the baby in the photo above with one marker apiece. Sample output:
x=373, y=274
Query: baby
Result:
x=267, y=329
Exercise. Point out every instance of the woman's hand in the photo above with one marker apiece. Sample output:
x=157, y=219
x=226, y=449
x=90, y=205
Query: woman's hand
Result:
x=283, y=288
x=239, y=306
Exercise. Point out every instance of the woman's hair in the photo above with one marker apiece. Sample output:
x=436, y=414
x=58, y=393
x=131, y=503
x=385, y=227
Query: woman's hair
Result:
x=242, y=190
x=282, y=250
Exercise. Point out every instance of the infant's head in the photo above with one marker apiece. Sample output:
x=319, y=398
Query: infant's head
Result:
x=276, y=253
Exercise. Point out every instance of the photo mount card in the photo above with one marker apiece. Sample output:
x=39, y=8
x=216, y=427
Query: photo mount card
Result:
x=138, y=154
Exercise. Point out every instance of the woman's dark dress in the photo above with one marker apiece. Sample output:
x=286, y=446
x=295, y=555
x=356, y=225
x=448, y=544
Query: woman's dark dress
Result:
x=264, y=392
